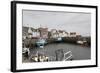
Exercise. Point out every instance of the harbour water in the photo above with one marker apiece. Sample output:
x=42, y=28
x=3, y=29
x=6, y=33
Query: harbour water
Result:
x=79, y=52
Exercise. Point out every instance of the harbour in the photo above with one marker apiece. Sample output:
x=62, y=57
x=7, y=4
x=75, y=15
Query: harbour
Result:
x=79, y=52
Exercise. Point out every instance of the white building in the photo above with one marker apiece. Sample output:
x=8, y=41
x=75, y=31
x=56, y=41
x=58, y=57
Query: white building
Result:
x=54, y=33
x=30, y=33
x=35, y=34
x=59, y=33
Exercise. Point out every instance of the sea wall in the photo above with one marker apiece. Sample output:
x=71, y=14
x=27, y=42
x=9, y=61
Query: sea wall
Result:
x=73, y=40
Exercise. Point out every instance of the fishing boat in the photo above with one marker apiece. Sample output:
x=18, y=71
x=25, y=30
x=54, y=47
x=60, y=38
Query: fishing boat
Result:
x=81, y=42
x=41, y=42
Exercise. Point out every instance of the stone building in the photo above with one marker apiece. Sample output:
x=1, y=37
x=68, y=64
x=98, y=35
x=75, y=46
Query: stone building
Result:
x=43, y=32
x=54, y=33
x=72, y=34
x=58, y=33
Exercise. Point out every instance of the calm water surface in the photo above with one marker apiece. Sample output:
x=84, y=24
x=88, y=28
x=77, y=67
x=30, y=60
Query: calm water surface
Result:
x=79, y=52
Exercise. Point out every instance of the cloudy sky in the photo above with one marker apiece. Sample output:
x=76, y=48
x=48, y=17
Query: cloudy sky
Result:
x=69, y=21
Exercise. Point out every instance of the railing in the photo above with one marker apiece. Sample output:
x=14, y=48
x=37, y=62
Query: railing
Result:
x=69, y=53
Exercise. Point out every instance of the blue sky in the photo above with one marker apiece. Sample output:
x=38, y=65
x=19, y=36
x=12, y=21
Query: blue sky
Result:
x=69, y=21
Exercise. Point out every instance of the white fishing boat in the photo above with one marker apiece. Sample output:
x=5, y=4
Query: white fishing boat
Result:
x=81, y=42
